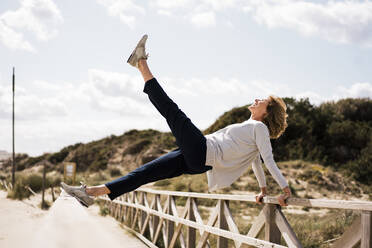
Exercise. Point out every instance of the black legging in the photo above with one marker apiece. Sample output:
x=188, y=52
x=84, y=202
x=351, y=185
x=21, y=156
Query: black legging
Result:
x=189, y=158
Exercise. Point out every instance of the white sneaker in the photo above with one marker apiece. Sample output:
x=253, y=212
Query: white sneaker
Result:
x=79, y=193
x=139, y=52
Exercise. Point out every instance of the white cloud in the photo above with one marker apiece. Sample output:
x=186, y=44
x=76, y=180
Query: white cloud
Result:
x=170, y=4
x=337, y=21
x=13, y=39
x=40, y=17
x=165, y=13
x=356, y=90
x=29, y=106
x=125, y=10
x=5, y=101
x=116, y=92
x=195, y=4
x=204, y=19
x=103, y=91
x=221, y=4
x=201, y=14
x=314, y=98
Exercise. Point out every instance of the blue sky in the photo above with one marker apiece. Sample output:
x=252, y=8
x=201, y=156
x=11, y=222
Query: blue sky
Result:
x=73, y=84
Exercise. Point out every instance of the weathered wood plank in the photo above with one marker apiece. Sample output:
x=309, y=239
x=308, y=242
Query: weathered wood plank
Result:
x=257, y=225
x=175, y=213
x=146, y=222
x=222, y=224
x=161, y=226
x=198, y=217
x=190, y=231
x=142, y=214
x=286, y=230
x=366, y=239
x=272, y=232
x=177, y=232
x=321, y=203
x=212, y=220
x=351, y=236
x=155, y=222
x=170, y=224
x=230, y=222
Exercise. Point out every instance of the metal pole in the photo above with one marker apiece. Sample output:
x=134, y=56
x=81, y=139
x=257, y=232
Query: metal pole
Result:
x=13, y=162
x=42, y=198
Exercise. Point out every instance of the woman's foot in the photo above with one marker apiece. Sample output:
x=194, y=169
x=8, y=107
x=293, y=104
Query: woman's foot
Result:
x=79, y=192
x=139, y=52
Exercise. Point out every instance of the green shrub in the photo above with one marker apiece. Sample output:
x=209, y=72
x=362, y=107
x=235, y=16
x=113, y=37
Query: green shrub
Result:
x=180, y=186
x=313, y=176
x=54, y=180
x=19, y=191
x=114, y=172
x=148, y=158
x=161, y=183
x=97, y=177
x=103, y=209
x=137, y=147
x=166, y=141
x=2, y=175
x=98, y=165
x=58, y=157
x=35, y=181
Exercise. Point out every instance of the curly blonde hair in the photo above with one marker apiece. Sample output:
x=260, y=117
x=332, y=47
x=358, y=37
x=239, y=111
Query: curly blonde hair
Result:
x=276, y=117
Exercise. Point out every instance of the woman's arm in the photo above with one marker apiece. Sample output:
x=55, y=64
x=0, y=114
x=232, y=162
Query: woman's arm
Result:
x=260, y=175
x=264, y=147
x=259, y=172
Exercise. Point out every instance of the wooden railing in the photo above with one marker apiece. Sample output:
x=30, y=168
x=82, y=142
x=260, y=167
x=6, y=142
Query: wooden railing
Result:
x=160, y=217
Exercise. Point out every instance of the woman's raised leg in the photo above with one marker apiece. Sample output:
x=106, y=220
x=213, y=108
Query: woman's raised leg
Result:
x=189, y=138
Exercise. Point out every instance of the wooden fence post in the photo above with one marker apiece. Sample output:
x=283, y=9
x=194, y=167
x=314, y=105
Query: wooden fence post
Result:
x=190, y=232
x=155, y=221
x=170, y=224
x=272, y=232
x=43, y=205
x=366, y=241
x=133, y=210
x=143, y=213
x=53, y=197
x=222, y=224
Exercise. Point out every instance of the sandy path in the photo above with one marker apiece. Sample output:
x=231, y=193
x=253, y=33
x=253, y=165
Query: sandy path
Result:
x=17, y=219
x=20, y=223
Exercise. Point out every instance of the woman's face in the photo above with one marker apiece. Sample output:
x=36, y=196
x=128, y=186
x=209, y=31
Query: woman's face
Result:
x=259, y=107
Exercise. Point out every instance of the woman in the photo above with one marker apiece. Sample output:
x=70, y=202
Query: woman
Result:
x=224, y=155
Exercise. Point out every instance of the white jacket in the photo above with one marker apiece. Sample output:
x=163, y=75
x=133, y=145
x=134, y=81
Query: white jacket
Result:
x=232, y=149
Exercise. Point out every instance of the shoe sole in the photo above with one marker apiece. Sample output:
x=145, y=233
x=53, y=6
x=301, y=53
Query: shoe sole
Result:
x=142, y=39
x=77, y=198
x=81, y=201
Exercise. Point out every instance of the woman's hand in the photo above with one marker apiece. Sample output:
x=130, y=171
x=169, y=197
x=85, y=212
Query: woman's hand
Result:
x=283, y=197
x=261, y=195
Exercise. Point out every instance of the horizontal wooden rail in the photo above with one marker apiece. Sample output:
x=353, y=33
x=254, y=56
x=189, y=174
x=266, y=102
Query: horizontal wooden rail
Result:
x=320, y=203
